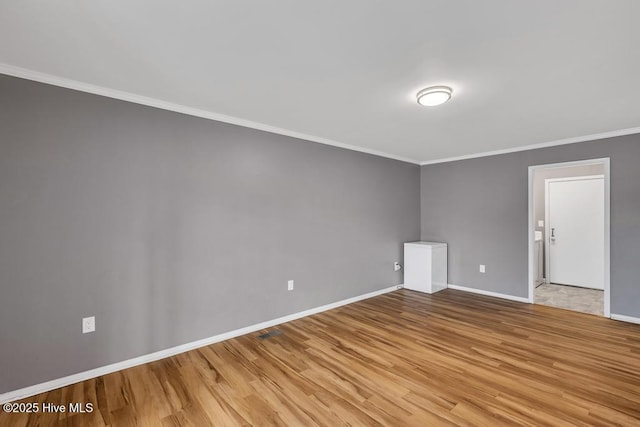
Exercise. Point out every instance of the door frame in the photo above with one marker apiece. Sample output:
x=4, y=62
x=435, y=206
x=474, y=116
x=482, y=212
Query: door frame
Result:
x=605, y=161
x=547, y=235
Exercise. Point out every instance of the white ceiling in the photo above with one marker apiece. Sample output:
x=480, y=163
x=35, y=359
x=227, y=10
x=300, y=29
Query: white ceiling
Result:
x=523, y=72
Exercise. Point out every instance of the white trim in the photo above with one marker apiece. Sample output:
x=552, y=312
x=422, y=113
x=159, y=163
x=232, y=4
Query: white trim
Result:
x=487, y=293
x=532, y=232
x=82, y=376
x=607, y=237
x=584, y=138
x=624, y=318
x=37, y=76
x=607, y=225
x=24, y=73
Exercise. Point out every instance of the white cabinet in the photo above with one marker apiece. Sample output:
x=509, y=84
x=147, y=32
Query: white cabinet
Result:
x=425, y=266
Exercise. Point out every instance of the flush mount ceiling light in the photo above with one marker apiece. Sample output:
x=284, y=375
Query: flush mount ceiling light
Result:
x=434, y=95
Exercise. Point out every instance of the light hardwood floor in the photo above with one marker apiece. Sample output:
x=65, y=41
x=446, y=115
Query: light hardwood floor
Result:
x=402, y=358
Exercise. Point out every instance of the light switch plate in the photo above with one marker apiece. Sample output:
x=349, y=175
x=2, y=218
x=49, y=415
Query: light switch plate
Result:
x=540, y=223
x=482, y=268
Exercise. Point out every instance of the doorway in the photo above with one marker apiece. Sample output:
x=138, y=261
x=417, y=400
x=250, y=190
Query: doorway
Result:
x=569, y=235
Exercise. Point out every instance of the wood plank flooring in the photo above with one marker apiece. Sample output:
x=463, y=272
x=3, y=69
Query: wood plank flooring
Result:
x=402, y=358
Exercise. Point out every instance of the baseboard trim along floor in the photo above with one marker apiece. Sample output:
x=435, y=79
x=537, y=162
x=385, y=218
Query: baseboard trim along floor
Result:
x=624, y=318
x=82, y=376
x=488, y=293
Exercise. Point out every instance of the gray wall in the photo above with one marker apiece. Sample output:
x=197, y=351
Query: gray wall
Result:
x=479, y=206
x=170, y=228
x=539, y=202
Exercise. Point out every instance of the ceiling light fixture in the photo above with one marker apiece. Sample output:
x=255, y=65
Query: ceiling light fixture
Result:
x=434, y=95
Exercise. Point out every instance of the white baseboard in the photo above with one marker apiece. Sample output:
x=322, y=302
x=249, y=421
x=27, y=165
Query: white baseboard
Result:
x=82, y=376
x=624, y=318
x=488, y=293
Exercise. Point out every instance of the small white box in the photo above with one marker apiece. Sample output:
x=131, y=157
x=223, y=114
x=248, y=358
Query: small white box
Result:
x=425, y=266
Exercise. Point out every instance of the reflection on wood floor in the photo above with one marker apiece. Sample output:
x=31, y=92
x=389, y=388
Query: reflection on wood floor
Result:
x=403, y=358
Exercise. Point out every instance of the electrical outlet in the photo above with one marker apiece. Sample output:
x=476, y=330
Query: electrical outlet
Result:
x=88, y=324
x=290, y=285
x=540, y=223
x=396, y=266
x=482, y=268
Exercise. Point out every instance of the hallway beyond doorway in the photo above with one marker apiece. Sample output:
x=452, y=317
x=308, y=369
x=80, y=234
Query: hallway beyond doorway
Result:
x=571, y=298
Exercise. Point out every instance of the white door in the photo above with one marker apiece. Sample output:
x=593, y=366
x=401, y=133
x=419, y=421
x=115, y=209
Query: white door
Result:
x=575, y=231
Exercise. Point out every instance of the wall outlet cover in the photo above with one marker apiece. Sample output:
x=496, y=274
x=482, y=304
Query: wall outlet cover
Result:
x=88, y=324
x=482, y=268
x=290, y=285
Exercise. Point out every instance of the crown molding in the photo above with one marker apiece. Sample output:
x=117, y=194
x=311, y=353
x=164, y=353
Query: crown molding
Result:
x=37, y=76
x=585, y=138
